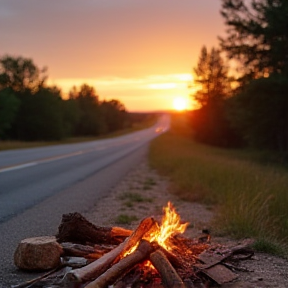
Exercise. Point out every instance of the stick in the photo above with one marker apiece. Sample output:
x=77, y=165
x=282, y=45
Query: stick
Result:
x=72, y=249
x=96, y=268
x=145, y=225
x=168, y=274
x=111, y=275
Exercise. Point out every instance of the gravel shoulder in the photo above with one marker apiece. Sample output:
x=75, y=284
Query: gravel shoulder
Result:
x=144, y=193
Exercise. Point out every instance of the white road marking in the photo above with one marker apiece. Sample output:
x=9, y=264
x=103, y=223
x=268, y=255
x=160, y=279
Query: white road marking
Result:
x=11, y=168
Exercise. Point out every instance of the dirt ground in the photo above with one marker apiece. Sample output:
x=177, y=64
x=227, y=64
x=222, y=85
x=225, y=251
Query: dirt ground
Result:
x=144, y=193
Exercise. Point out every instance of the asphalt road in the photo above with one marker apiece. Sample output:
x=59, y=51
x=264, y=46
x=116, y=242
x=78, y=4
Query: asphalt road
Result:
x=38, y=185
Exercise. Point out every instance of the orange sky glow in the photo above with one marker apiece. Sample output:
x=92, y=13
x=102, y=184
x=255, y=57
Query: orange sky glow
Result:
x=139, y=52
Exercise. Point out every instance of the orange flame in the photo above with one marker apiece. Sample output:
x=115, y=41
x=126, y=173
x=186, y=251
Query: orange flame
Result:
x=171, y=225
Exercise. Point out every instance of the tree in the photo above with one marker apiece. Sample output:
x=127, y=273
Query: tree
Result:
x=257, y=36
x=209, y=123
x=40, y=116
x=90, y=119
x=260, y=112
x=9, y=105
x=212, y=76
x=20, y=73
x=114, y=114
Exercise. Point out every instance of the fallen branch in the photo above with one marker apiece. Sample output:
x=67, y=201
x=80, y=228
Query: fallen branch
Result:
x=168, y=274
x=79, y=250
x=96, y=268
x=112, y=274
x=144, y=227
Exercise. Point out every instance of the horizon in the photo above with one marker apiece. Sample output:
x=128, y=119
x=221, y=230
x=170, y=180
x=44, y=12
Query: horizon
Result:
x=133, y=52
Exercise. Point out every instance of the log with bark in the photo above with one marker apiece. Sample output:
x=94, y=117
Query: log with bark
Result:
x=168, y=274
x=77, y=229
x=123, y=266
x=96, y=268
x=87, y=251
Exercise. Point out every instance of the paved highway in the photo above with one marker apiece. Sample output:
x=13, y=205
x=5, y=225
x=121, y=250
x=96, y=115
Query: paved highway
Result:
x=38, y=185
x=28, y=176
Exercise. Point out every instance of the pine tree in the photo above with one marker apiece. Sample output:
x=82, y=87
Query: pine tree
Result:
x=257, y=36
x=212, y=77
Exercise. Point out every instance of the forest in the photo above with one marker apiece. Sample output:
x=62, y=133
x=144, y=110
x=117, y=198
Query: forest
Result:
x=242, y=85
x=30, y=110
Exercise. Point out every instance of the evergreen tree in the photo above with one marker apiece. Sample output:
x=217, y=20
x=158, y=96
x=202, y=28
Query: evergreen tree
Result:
x=212, y=77
x=257, y=36
x=209, y=123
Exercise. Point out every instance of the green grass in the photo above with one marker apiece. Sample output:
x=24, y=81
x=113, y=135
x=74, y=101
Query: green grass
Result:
x=251, y=198
x=132, y=197
x=149, y=183
x=125, y=219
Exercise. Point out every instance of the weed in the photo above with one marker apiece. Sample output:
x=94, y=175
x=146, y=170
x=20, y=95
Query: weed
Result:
x=268, y=246
x=125, y=219
x=134, y=197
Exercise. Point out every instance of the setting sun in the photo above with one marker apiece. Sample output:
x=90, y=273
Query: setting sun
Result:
x=180, y=103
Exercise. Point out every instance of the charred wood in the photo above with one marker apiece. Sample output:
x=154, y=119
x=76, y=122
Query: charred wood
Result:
x=77, y=229
x=112, y=274
x=168, y=274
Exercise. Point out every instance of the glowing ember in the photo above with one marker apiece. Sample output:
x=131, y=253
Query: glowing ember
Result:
x=171, y=225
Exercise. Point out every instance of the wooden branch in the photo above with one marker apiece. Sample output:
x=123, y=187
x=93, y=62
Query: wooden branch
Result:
x=89, y=252
x=77, y=229
x=97, y=267
x=145, y=225
x=78, y=250
x=168, y=274
x=112, y=274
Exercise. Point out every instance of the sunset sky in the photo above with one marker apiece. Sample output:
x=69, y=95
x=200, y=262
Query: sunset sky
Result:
x=140, y=52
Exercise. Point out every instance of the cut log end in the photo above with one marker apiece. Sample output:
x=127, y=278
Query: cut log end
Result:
x=38, y=253
x=77, y=229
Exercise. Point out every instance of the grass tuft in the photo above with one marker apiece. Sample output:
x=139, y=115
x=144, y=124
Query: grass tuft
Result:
x=268, y=246
x=131, y=197
x=125, y=219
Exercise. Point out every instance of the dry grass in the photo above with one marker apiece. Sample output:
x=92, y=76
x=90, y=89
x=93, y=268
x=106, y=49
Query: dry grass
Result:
x=252, y=198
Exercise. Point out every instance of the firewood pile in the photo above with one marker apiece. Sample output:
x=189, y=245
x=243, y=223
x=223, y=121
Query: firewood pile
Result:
x=85, y=255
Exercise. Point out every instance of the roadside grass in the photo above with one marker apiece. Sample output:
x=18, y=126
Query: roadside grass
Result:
x=132, y=197
x=251, y=199
x=11, y=144
x=125, y=219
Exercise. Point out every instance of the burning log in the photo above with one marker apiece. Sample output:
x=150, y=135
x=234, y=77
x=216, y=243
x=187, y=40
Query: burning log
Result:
x=77, y=229
x=143, y=228
x=168, y=274
x=97, y=267
x=125, y=264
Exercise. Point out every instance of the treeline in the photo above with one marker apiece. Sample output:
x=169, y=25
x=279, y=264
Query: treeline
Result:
x=248, y=107
x=30, y=110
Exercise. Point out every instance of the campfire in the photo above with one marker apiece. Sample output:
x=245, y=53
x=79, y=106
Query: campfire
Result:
x=153, y=255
